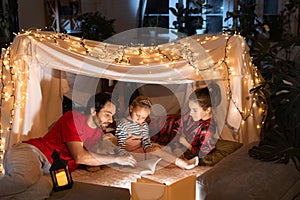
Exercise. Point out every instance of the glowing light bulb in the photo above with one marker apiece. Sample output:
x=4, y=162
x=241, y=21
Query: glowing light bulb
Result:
x=258, y=126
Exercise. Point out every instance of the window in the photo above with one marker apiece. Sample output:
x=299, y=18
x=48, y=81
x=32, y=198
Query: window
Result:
x=269, y=11
x=156, y=13
x=270, y=7
x=158, y=10
x=214, y=18
x=270, y=14
x=62, y=14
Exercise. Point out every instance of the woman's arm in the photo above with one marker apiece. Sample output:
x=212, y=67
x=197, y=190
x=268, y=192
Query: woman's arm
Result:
x=82, y=156
x=185, y=143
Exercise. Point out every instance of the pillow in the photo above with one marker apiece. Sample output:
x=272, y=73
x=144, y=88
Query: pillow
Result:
x=223, y=148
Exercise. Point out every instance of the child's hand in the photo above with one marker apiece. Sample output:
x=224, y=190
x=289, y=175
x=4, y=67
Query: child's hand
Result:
x=133, y=137
x=132, y=143
x=148, y=150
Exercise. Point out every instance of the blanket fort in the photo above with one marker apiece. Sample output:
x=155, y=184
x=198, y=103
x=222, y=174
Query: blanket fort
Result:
x=35, y=67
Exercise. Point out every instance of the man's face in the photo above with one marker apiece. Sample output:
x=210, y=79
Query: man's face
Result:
x=105, y=116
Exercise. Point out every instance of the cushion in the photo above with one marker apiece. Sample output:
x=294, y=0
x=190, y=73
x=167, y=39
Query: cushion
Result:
x=223, y=149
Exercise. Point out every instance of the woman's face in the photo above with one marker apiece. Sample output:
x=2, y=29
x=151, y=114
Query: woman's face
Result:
x=197, y=112
x=139, y=114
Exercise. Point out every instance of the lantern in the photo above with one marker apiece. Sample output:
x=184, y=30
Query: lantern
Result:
x=60, y=174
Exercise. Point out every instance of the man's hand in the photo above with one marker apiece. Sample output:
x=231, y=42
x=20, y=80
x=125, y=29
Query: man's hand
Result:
x=126, y=160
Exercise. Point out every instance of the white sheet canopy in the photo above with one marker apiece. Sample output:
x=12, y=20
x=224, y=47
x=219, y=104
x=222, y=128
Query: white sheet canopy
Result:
x=37, y=65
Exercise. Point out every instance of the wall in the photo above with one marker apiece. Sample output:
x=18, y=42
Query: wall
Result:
x=123, y=11
x=32, y=12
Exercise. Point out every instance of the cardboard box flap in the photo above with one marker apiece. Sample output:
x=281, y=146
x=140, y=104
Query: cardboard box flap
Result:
x=147, y=191
x=183, y=189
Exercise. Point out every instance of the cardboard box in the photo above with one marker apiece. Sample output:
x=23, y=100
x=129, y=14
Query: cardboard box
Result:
x=147, y=189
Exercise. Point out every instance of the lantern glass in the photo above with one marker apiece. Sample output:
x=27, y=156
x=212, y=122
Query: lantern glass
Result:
x=60, y=173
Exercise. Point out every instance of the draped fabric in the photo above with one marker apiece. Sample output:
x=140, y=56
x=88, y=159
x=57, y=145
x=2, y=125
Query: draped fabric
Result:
x=41, y=62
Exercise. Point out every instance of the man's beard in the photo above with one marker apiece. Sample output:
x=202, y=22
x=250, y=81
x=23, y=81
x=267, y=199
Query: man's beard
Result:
x=103, y=126
x=96, y=121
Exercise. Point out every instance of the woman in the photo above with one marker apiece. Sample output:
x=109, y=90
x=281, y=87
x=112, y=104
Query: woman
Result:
x=196, y=128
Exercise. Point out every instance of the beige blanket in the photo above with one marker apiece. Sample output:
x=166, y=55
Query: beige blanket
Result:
x=112, y=176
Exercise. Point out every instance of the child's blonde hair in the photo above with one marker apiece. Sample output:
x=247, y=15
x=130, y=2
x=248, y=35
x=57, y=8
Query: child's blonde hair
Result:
x=141, y=101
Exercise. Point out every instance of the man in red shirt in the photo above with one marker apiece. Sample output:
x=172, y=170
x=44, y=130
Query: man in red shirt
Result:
x=27, y=164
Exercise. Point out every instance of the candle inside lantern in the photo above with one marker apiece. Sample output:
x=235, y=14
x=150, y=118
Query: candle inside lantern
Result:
x=61, y=178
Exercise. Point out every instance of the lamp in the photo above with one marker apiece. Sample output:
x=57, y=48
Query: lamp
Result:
x=60, y=174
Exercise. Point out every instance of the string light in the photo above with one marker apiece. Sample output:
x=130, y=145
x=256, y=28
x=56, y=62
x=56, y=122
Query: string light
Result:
x=16, y=75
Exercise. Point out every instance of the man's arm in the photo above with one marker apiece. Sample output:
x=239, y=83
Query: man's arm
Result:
x=82, y=156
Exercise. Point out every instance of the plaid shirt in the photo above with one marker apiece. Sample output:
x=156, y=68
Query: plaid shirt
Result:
x=199, y=134
x=161, y=129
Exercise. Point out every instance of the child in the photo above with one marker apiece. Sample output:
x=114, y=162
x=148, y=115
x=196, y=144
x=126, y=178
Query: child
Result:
x=133, y=134
x=196, y=128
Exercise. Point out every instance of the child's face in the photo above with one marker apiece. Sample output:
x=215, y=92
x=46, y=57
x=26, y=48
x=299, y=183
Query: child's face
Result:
x=139, y=114
x=197, y=112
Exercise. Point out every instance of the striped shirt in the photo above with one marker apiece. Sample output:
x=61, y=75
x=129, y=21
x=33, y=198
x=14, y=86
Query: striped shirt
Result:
x=126, y=127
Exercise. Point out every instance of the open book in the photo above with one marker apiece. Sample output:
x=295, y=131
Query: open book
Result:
x=148, y=166
x=144, y=167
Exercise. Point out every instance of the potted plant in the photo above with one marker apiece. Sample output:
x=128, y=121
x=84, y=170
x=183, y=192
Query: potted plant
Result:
x=5, y=35
x=95, y=26
x=152, y=22
x=189, y=18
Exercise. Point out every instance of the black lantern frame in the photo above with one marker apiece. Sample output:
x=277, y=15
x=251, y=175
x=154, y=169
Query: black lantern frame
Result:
x=60, y=173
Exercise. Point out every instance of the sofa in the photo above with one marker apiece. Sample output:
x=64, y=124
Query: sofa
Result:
x=239, y=176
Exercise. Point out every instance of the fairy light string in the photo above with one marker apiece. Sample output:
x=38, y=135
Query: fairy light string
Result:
x=7, y=102
x=126, y=55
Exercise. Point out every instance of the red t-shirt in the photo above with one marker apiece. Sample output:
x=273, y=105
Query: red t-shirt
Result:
x=71, y=127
